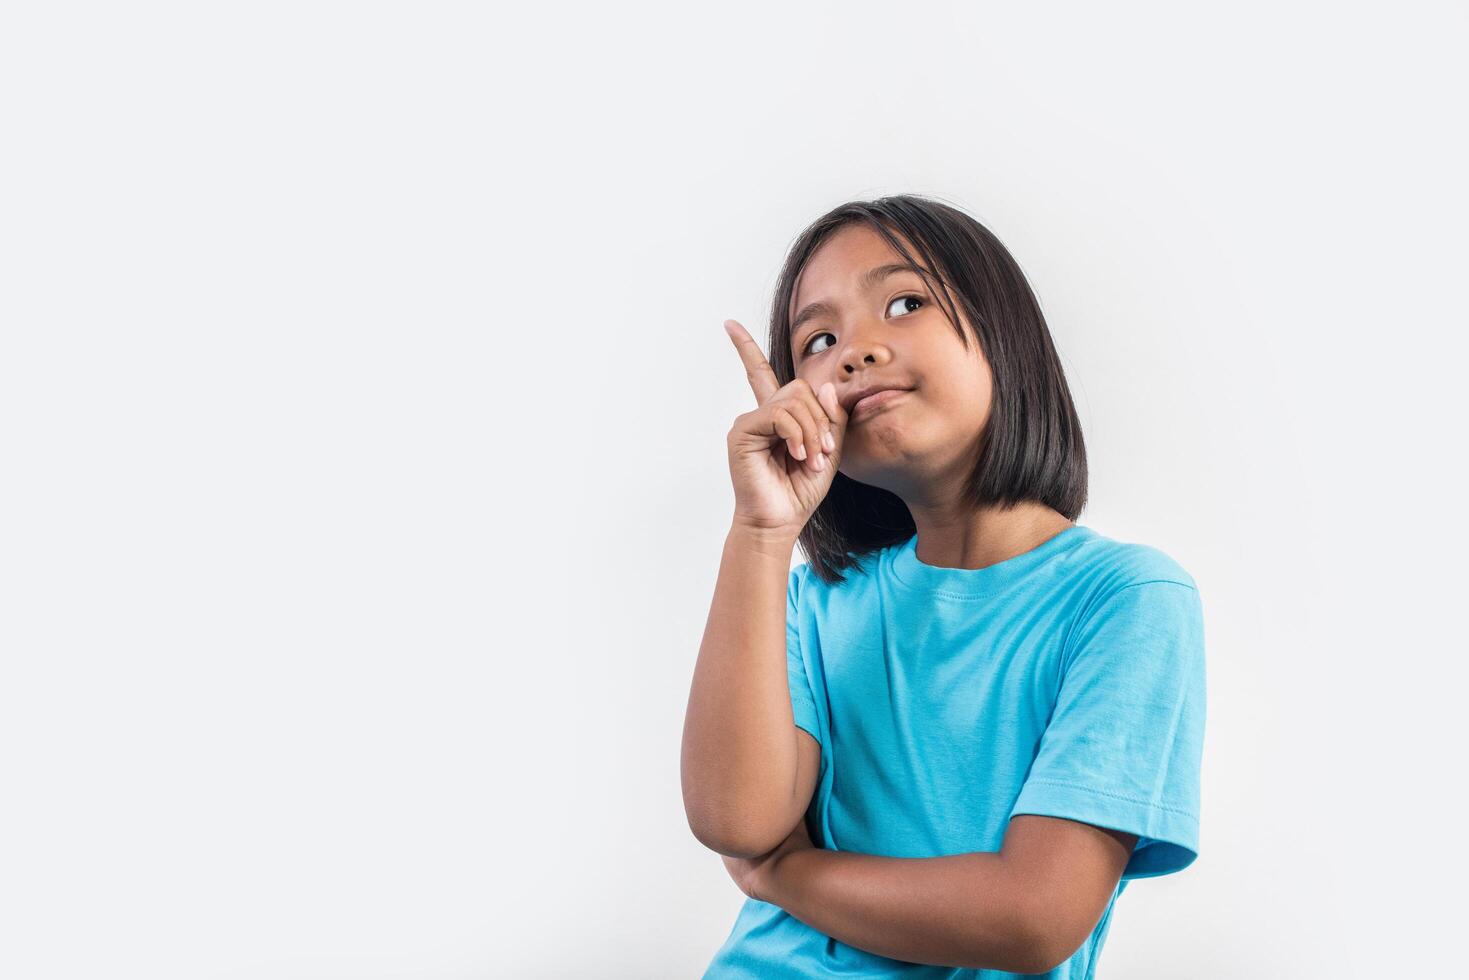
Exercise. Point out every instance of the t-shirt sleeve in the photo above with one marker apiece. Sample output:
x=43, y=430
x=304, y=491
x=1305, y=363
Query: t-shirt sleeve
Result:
x=1124, y=745
x=803, y=702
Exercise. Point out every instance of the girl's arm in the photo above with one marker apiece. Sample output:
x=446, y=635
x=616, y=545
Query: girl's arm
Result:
x=1025, y=908
x=745, y=783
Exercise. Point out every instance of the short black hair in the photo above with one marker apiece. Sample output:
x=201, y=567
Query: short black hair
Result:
x=1032, y=447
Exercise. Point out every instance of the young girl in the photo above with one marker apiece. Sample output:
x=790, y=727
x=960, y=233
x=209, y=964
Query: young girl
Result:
x=987, y=718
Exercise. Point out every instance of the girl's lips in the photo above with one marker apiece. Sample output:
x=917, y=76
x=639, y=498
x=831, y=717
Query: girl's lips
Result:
x=874, y=403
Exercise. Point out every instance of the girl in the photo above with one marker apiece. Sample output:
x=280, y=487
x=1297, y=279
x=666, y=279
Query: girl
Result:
x=988, y=718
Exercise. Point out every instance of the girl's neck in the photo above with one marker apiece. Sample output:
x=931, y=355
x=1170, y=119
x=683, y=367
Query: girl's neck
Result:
x=978, y=539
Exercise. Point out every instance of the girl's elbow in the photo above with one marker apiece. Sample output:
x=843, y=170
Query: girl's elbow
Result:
x=733, y=838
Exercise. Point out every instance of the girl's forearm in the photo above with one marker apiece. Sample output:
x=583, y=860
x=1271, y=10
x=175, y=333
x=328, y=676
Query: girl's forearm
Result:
x=961, y=910
x=740, y=758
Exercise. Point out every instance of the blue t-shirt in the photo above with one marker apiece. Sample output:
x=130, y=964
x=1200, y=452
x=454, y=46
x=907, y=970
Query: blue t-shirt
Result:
x=1066, y=681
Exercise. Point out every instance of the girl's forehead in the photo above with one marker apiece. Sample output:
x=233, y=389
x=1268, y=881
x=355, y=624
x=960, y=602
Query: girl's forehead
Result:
x=845, y=257
x=849, y=251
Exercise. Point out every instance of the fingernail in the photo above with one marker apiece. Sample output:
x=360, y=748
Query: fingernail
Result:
x=829, y=441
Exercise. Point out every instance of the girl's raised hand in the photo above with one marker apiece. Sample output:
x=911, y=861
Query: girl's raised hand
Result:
x=783, y=455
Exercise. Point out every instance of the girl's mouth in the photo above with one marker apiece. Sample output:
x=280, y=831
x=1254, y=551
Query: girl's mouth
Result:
x=876, y=402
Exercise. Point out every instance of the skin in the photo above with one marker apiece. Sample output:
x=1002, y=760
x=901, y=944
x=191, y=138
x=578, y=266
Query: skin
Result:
x=1029, y=906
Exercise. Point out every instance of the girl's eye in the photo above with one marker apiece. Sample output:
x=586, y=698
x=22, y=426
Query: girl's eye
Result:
x=808, y=349
x=916, y=299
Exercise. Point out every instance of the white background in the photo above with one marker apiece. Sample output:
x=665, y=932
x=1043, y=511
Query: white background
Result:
x=363, y=398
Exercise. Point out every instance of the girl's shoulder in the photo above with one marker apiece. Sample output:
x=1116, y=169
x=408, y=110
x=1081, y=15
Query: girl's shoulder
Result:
x=1132, y=562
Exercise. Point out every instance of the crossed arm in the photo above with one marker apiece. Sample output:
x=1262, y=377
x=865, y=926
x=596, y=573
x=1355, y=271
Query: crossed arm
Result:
x=1025, y=909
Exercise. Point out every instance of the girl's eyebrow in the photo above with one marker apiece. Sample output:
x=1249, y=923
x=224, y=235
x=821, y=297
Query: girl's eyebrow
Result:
x=869, y=279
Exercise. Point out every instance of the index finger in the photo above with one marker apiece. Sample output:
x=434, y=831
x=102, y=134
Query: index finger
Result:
x=757, y=369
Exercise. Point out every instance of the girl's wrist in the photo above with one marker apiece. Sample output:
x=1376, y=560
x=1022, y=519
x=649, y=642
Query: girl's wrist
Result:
x=775, y=542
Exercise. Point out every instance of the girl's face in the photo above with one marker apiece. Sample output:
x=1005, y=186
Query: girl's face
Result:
x=857, y=324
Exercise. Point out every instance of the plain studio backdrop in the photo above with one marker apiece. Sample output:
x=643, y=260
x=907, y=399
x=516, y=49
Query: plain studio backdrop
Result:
x=363, y=402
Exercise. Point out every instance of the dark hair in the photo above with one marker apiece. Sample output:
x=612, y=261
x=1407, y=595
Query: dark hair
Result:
x=1031, y=448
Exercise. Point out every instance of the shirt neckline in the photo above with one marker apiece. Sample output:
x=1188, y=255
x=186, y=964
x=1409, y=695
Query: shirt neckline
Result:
x=974, y=583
